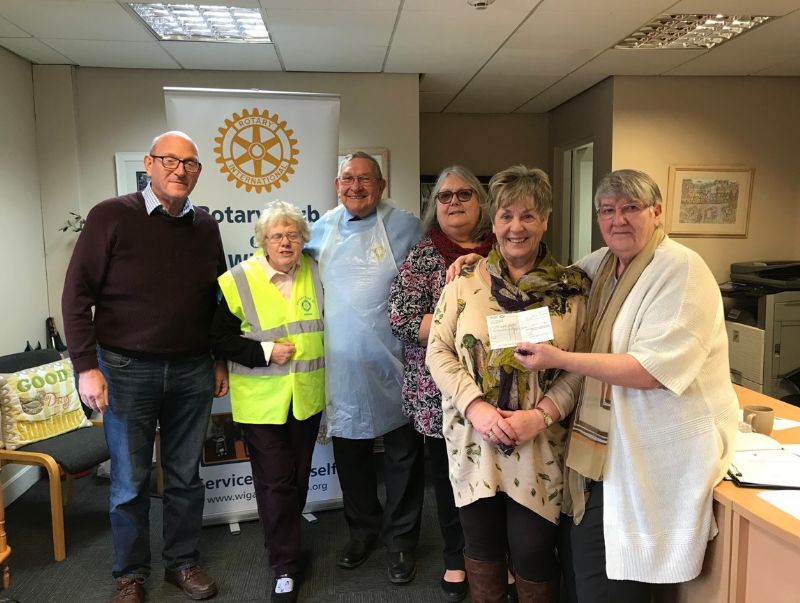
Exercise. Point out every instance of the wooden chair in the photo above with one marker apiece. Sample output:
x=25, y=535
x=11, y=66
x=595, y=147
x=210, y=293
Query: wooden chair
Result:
x=64, y=456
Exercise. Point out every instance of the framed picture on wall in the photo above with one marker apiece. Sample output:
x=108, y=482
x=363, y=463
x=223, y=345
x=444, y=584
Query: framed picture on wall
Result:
x=708, y=201
x=131, y=175
x=381, y=155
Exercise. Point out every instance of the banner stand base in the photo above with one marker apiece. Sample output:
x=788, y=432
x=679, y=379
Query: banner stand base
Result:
x=234, y=527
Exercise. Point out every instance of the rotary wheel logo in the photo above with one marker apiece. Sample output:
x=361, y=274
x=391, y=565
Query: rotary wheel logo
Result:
x=256, y=150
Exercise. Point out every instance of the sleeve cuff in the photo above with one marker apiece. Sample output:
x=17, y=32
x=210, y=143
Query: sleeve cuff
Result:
x=267, y=347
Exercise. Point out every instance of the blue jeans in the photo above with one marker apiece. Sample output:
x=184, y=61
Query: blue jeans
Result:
x=175, y=394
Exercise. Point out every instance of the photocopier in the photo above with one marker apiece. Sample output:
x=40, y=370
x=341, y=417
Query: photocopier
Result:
x=762, y=318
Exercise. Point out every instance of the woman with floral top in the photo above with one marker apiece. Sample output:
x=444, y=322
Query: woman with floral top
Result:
x=505, y=442
x=456, y=222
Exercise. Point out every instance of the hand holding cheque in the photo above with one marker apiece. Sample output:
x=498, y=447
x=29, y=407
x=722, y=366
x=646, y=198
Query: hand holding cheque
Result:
x=526, y=331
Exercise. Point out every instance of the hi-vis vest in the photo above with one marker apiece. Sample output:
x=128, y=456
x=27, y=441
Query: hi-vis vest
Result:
x=262, y=395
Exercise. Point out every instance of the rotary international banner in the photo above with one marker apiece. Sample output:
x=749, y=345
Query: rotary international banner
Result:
x=256, y=146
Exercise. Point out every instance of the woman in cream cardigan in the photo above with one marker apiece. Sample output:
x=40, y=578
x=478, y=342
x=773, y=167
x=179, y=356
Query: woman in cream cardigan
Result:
x=653, y=430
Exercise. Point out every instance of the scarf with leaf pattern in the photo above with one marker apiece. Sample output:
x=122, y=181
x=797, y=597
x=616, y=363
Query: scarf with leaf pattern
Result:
x=547, y=284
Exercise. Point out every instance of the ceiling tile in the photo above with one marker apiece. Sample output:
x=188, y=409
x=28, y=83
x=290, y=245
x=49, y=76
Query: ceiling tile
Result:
x=9, y=30
x=784, y=68
x=443, y=27
x=630, y=61
x=94, y=53
x=311, y=56
x=560, y=92
x=514, y=61
x=343, y=5
x=35, y=51
x=734, y=7
x=425, y=58
x=493, y=90
x=572, y=31
x=649, y=7
x=68, y=19
x=234, y=57
x=331, y=28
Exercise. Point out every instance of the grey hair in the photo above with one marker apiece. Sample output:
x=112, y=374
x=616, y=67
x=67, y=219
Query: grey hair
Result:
x=484, y=225
x=361, y=155
x=280, y=211
x=519, y=182
x=628, y=184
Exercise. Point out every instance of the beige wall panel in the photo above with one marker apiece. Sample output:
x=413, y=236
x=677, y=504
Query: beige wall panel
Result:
x=719, y=121
x=23, y=304
x=483, y=143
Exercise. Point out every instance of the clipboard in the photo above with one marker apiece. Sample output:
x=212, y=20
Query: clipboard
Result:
x=772, y=469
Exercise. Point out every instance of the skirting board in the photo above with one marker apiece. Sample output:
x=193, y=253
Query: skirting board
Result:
x=17, y=479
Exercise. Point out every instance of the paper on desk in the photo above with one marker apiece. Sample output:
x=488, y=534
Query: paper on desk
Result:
x=507, y=330
x=781, y=423
x=787, y=501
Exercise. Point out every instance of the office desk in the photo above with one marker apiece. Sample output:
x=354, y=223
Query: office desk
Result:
x=756, y=556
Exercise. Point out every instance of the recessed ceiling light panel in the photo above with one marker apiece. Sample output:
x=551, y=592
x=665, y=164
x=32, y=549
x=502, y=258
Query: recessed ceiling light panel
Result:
x=689, y=31
x=199, y=23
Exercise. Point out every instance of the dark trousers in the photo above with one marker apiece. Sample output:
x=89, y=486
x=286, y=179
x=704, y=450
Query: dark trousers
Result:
x=175, y=394
x=446, y=511
x=497, y=526
x=403, y=464
x=582, y=550
x=280, y=456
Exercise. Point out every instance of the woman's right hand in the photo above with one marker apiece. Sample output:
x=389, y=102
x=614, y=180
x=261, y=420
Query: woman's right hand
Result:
x=459, y=263
x=281, y=353
x=488, y=421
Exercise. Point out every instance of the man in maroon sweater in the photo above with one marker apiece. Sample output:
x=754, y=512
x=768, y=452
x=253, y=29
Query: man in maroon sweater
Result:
x=148, y=263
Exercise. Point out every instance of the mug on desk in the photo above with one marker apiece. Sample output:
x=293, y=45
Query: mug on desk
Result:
x=760, y=418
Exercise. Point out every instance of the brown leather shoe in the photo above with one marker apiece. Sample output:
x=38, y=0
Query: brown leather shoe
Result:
x=194, y=581
x=130, y=589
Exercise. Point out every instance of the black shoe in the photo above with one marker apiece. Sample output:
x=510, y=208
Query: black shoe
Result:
x=454, y=591
x=402, y=567
x=355, y=553
x=285, y=596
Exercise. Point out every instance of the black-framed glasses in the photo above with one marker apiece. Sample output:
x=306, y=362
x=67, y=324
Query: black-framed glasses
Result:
x=463, y=195
x=172, y=163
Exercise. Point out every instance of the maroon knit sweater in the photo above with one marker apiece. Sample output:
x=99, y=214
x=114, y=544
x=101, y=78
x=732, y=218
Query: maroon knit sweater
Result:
x=151, y=278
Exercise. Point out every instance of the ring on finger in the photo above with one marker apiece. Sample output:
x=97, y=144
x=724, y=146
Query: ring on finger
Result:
x=490, y=434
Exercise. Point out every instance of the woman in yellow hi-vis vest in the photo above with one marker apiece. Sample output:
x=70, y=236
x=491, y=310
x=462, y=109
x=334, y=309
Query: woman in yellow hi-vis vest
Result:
x=269, y=328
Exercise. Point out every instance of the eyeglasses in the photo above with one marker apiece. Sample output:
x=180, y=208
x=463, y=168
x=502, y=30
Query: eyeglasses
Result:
x=172, y=163
x=607, y=212
x=362, y=180
x=463, y=195
x=278, y=237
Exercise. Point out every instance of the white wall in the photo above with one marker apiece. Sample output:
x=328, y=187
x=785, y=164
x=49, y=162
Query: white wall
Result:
x=23, y=303
x=111, y=110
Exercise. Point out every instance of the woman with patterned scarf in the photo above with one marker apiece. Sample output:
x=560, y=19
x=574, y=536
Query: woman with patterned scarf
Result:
x=653, y=430
x=502, y=427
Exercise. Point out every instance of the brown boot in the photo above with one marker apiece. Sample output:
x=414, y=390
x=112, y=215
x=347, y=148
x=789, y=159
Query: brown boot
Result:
x=538, y=592
x=487, y=580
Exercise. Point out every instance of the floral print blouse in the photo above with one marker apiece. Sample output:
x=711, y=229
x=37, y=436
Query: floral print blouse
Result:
x=414, y=293
x=459, y=353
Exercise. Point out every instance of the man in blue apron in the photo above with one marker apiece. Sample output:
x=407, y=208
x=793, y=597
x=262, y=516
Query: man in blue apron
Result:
x=359, y=246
